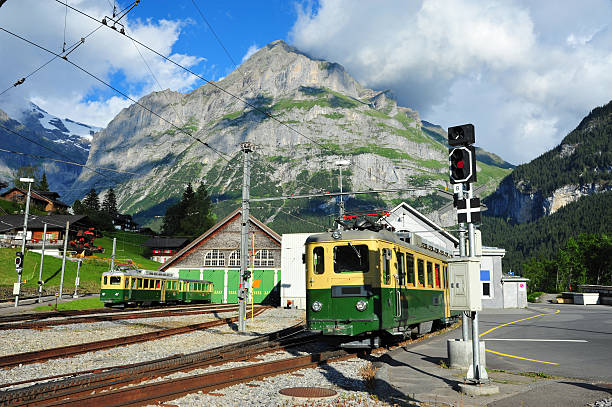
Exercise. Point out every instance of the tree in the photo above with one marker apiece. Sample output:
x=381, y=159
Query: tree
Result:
x=109, y=205
x=91, y=201
x=78, y=208
x=43, y=185
x=191, y=216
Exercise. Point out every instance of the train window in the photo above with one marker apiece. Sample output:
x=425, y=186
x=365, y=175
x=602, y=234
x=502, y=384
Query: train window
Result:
x=167, y=285
x=126, y=284
x=318, y=264
x=158, y=284
x=410, y=269
x=429, y=274
x=140, y=283
x=174, y=285
x=421, y=272
x=351, y=259
x=146, y=283
x=115, y=280
x=105, y=280
x=437, y=275
x=445, y=270
x=400, y=268
x=386, y=266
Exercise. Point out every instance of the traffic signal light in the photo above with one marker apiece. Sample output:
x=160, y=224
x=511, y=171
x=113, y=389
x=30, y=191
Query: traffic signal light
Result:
x=462, y=162
x=247, y=274
x=461, y=135
x=19, y=261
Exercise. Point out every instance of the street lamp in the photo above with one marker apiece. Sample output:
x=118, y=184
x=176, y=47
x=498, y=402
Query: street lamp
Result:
x=340, y=164
x=25, y=233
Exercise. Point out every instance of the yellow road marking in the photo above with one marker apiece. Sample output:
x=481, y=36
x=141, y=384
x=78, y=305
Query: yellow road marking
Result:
x=512, y=356
x=514, y=322
x=519, y=357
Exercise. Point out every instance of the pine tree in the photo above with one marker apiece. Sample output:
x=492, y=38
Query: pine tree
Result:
x=91, y=201
x=78, y=208
x=43, y=185
x=191, y=216
x=109, y=205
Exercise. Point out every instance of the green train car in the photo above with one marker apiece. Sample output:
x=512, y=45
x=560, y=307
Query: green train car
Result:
x=145, y=287
x=368, y=284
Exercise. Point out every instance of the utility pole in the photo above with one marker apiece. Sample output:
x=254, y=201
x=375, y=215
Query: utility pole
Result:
x=339, y=164
x=42, y=260
x=243, y=292
x=64, y=260
x=464, y=318
x=23, y=239
x=76, y=281
x=112, y=265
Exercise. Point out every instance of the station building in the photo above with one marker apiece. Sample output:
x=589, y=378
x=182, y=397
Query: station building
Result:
x=215, y=256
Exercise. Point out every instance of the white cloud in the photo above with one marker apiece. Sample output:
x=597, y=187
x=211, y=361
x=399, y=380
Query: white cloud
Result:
x=63, y=90
x=523, y=72
x=252, y=49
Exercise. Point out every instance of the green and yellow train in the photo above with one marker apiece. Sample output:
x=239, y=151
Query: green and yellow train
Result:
x=145, y=287
x=367, y=284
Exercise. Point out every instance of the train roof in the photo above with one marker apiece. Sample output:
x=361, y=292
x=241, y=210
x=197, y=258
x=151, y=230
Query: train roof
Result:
x=404, y=239
x=150, y=274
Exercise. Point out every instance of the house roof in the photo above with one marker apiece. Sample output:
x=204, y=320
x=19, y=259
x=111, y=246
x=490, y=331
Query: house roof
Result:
x=47, y=196
x=165, y=242
x=210, y=232
x=434, y=226
x=12, y=222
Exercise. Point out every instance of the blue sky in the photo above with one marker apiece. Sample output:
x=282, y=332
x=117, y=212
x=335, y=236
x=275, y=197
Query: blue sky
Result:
x=523, y=72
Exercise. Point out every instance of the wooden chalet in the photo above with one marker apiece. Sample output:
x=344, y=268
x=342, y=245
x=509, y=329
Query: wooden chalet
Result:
x=11, y=229
x=164, y=248
x=44, y=200
x=215, y=256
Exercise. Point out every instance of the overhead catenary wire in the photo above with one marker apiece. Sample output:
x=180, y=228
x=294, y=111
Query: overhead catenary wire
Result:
x=181, y=130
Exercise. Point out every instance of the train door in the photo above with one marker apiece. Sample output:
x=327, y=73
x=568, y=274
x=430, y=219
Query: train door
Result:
x=398, y=281
x=162, y=295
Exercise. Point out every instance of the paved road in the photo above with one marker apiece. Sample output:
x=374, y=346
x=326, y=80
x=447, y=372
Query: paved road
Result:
x=576, y=341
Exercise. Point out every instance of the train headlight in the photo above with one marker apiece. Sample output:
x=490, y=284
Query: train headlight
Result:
x=337, y=234
x=316, y=306
x=361, y=305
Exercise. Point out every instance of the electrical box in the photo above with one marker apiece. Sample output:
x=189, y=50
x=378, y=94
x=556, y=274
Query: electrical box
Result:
x=465, y=289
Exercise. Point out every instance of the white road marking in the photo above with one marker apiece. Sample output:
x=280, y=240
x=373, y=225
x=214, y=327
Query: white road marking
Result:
x=536, y=340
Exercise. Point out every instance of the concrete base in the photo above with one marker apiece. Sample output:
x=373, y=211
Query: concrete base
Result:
x=586, y=298
x=460, y=354
x=478, y=389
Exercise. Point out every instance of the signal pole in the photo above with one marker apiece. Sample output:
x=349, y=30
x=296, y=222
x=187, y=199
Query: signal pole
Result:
x=243, y=292
x=23, y=239
x=340, y=164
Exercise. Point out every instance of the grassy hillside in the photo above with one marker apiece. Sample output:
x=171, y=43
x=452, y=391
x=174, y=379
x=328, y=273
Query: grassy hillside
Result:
x=128, y=247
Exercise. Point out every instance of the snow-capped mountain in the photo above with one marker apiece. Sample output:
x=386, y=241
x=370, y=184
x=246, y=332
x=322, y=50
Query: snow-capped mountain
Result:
x=38, y=133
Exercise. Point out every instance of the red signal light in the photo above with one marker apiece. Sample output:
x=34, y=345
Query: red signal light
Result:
x=460, y=164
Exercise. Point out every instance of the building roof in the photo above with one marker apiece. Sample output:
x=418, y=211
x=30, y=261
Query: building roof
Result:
x=47, y=196
x=166, y=242
x=219, y=225
x=434, y=226
x=12, y=222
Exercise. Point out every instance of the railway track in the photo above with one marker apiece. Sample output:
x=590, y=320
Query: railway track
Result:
x=67, y=351
x=79, y=389
x=39, y=316
x=116, y=316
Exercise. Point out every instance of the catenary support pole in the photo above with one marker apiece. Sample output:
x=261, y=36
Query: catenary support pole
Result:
x=464, y=318
x=76, y=281
x=243, y=293
x=42, y=260
x=64, y=259
x=25, y=232
x=112, y=265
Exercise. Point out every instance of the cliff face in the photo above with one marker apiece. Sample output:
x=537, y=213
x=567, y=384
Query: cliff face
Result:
x=581, y=165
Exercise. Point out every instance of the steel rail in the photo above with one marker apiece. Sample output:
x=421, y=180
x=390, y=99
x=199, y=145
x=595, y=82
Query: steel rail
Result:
x=66, y=351
x=171, y=389
x=113, y=317
x=44, y=393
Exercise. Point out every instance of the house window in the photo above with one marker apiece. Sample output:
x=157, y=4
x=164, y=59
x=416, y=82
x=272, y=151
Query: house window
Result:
x=234, y=258
x=214, y=258
x=264, y=258
x=485, y=279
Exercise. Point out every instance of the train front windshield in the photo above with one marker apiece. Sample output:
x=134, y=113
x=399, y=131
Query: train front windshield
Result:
x=351, y=259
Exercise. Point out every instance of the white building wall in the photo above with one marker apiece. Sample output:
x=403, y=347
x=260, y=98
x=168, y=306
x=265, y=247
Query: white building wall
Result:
x=293, y=270
x=402, y=220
